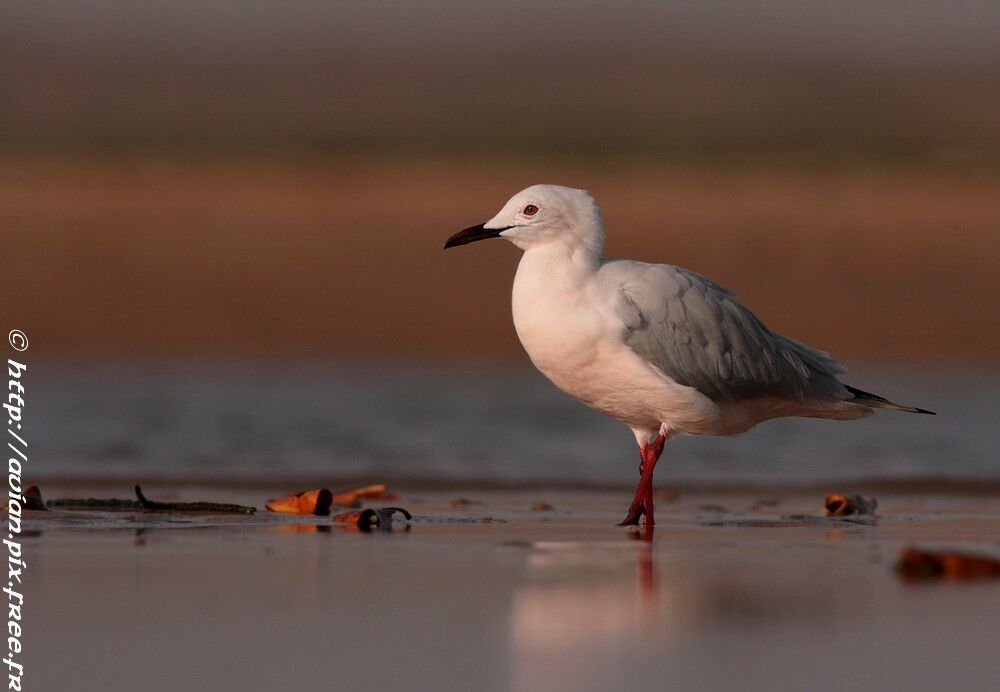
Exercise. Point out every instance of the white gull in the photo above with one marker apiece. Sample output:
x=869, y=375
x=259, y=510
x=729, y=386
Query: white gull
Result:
x=661, y=348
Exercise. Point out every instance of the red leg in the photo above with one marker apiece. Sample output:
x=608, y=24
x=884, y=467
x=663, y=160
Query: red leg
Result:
x=642, y=501
x=647, y=503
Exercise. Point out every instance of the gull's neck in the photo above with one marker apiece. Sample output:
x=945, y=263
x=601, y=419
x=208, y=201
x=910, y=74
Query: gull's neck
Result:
x=571, y=260
x=553, y=304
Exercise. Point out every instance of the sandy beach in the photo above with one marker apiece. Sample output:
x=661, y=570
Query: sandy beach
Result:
x=733, y=589
x=266, y=246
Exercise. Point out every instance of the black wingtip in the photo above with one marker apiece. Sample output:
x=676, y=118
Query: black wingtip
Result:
x=876, y=401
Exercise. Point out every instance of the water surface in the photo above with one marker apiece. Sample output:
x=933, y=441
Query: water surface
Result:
x=464, y=424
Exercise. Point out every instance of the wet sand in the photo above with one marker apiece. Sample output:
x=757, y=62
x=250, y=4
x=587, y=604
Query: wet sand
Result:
x=733, y=590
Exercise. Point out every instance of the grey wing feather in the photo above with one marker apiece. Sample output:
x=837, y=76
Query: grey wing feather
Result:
x=694, y=331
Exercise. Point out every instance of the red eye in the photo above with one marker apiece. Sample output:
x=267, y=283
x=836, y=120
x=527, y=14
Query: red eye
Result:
x=530, y=210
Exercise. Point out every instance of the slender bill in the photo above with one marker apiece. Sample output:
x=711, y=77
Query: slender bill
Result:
x=472, y=234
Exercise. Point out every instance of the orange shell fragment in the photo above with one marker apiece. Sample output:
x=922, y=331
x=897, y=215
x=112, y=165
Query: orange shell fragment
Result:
x=316, y=502
x=838, y=505
x=319, y=501
x=351, y=498
x=916, y=564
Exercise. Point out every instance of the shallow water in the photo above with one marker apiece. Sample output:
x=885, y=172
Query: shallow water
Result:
x=561, y=600
x=310, y=420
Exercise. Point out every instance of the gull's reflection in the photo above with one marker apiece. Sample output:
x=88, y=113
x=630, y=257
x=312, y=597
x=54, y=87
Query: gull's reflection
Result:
x=646, y=566
x=602, y=599
x=584, y=606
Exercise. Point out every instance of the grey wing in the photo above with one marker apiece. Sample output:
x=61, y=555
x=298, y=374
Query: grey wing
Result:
x=693, y=330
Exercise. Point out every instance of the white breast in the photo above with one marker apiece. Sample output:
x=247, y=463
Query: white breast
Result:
x=571, y=335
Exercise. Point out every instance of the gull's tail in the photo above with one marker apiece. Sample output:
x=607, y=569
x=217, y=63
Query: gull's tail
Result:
x=875, y=401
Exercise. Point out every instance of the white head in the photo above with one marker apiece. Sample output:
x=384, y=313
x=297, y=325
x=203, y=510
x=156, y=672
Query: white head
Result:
x=542, y=215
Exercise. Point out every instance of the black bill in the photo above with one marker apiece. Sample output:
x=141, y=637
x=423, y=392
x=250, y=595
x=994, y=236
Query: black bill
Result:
x=472, y=234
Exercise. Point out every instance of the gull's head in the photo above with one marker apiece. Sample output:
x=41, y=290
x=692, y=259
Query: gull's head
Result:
x=542, y=215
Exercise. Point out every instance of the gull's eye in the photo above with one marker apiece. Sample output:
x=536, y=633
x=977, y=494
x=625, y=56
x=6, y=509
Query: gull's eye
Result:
x=530, y=210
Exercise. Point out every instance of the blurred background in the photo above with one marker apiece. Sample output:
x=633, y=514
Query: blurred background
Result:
x=222, y=225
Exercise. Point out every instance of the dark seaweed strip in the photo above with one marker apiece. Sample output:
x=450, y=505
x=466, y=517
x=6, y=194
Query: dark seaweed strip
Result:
x=94, y=503
x=191, y=506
